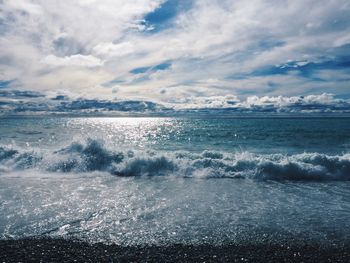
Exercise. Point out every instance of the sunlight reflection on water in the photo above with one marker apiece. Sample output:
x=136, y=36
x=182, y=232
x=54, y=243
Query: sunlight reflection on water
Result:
x=138, y=132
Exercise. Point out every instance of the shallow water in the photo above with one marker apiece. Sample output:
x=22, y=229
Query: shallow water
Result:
x=163, y=180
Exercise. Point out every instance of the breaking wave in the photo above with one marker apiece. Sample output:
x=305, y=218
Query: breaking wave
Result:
x=95, y=156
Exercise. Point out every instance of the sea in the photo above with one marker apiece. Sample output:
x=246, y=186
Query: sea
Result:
x=162, y=181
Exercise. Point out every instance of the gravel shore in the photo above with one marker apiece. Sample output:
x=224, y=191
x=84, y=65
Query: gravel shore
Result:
x=61, y=250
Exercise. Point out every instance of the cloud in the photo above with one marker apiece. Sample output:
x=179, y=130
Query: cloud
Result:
x=5, y=83
x=215, y=102
x=62, y=34
x=60, y=97
x=114, y=50
x=20, y=94
x=119, y=106
x=74, y=60
x=323, y=103
x=27, y=102
x=26, y=6
x=312, y=103
x=166, y=50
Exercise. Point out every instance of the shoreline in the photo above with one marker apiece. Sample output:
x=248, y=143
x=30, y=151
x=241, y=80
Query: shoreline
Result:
x=67, y=250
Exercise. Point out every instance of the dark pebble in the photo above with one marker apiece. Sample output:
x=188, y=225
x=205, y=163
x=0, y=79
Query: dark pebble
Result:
x=61, y=250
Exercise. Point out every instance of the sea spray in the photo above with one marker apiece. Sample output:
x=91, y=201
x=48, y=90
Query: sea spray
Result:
x=94, y=155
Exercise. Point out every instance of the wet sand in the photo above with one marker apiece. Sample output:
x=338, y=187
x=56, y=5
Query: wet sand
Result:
x=61, y=250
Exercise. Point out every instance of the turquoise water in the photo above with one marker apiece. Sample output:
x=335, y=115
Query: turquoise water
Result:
x=171, y=180
x=283, y=135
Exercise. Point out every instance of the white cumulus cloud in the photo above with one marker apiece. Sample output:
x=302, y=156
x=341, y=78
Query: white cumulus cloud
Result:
x=74, y=60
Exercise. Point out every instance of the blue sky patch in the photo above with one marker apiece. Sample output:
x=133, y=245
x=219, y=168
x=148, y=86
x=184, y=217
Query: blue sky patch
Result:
x=162, y=66
x=161, y=17
x=303, y=68
x=140, y=70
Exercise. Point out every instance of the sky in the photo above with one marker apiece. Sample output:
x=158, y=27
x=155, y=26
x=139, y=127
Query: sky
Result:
x=151, y=55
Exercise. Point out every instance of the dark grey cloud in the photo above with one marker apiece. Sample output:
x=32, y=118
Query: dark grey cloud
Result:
x=105, y=105
x=22, y=107
x=5, y=83
x=20, y=94
x=60, y=97
x=27, y=102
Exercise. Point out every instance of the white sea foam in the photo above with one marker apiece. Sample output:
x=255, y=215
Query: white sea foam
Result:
x=95, y=156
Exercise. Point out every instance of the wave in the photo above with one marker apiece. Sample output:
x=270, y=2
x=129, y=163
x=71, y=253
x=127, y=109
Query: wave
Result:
x=93, y=155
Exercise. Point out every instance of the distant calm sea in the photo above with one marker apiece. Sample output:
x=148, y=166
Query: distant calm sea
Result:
x=176, y=180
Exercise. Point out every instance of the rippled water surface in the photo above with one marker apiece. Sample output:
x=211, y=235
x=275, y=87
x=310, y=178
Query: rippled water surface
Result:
x=168, y=180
